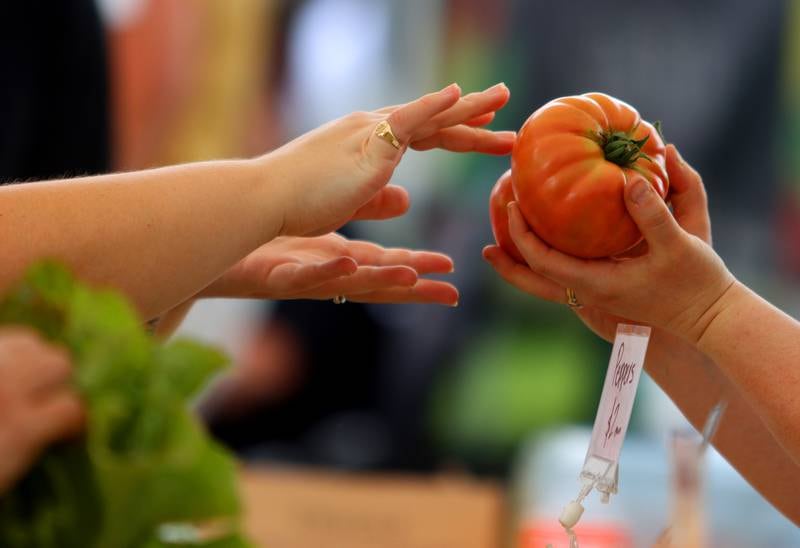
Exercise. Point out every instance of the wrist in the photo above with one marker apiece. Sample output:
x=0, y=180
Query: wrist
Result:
x=716, y=315
x=265, y=170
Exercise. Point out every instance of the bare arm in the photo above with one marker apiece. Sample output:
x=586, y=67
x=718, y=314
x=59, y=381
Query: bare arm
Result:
x=696, y=384
x=163, y=235
x=758, y=348
x=160, y=235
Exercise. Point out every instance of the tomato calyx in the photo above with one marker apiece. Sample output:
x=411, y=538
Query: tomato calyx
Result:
x=621, y=148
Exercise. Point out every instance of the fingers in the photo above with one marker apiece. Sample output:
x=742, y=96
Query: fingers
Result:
x=406, y=120
x=546, y=261
x=285, y=277
x=468, y=139
x=651, y=214
x=391, y=201
x=365, y=280
x=469, y=107
x=482, y=120
x=478, y=121
x=423, y=262
x=522, y=277
x=424, y=291
x=688, y=196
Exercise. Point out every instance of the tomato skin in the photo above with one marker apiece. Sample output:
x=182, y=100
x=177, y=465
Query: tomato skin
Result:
x=502, y=194
x=570, y=194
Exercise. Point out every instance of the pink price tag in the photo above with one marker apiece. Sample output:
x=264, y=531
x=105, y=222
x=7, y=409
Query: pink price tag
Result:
x=619, y=391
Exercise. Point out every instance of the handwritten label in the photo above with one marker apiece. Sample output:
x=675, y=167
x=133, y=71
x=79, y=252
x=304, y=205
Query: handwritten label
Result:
x=619, y=391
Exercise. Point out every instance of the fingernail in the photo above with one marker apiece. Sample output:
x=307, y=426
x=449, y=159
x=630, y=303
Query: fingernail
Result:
x=454, y=305
x=453, y=86
x=497, y=87
x=640, y=191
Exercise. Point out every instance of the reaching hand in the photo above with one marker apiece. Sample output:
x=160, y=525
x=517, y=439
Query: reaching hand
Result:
x=339, y=172
x=328, y=266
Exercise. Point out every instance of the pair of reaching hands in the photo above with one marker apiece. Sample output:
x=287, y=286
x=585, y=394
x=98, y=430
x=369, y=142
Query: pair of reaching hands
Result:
x=339, y=173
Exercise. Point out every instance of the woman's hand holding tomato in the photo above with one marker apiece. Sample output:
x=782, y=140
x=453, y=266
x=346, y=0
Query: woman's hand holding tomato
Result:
x=324, y=267
x=676, y=283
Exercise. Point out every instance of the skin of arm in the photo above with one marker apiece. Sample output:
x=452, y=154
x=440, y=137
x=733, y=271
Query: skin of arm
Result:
x=695, y=383
x=160, y=236
x=758, y=347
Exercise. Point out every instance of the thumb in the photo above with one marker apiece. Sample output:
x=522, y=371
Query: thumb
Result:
x=688, y=196
x=650, y=213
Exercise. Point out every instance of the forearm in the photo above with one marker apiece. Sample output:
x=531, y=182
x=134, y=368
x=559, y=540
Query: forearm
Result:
x=696, y=384
x=758, y=348
x=160, y=236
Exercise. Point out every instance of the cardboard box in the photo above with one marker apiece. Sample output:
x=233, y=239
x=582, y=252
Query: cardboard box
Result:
x=299, y=508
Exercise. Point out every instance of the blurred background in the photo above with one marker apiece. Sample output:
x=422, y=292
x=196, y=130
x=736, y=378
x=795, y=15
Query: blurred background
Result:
x=504, y=387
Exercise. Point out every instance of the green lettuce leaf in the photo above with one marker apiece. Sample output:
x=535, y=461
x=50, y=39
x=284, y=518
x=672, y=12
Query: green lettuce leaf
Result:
x=144, y=460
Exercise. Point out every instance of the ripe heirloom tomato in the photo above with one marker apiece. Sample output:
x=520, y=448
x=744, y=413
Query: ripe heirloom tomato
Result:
x=502, y=194
x=570, y=164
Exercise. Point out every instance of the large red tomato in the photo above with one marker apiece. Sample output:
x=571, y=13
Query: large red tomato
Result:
x=570, y=163
x=502, y=194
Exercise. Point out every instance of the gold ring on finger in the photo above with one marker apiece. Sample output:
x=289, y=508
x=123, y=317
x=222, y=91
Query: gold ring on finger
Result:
x=572, y=300
x=384, y=131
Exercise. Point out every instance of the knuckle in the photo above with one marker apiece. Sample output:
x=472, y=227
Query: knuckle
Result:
x=397, y=118
x=359, y=117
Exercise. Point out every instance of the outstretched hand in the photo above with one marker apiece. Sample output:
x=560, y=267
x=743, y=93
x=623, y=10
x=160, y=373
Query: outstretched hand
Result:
x=340, y=171
x=328, y=266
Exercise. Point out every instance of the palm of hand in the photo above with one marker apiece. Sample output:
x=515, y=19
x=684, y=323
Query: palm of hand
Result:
x=331, y=265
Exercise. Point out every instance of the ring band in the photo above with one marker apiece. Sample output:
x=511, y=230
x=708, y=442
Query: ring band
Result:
x=339, y=299
x=384, y=131
x=572, y=300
